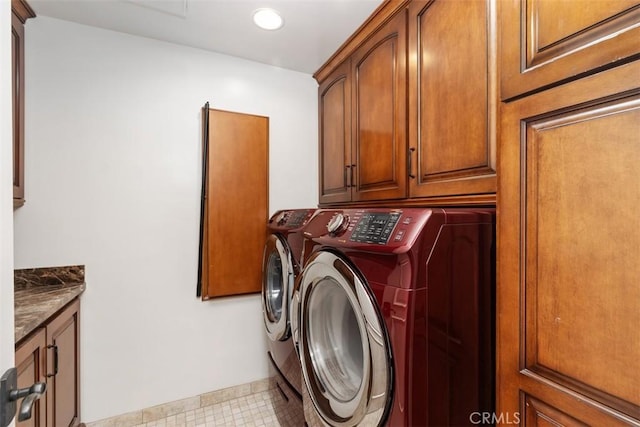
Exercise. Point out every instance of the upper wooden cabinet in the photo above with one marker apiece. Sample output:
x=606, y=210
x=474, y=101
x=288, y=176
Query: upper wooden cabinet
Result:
x=20, y=13
x=335, y=135
x=452, y=112
x=407, y=107
x=547, y=42
x=362, y=104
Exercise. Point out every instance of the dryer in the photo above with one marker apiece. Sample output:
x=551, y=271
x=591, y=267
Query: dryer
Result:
x=393, y=316
x=280, y=266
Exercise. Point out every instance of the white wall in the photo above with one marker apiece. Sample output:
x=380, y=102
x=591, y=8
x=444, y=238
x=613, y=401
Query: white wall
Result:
x=113, y=140
x=6, y=192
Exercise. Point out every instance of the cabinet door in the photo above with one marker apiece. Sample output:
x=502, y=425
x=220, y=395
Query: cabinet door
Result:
x=379, y=141
x=17, y=101
x=568, y=299
x=63, y=367
x=334, y=95
x=548, y=42
x=452, y=116
x=30, y=363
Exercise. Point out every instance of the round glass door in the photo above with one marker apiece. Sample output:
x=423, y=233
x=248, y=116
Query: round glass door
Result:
x=277, y=285
x=343, y=346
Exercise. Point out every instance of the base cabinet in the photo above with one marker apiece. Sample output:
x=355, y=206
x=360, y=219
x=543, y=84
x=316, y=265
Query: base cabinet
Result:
x=51, y=355
x=30, y=363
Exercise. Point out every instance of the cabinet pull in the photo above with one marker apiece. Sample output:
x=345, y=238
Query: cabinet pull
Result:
x=347, y=169
x=410, y=163
x=55, y=360
x=353, y=167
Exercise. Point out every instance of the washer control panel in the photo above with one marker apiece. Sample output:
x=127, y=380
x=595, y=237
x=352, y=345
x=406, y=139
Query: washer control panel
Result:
x=375, y=227
x=290, y=219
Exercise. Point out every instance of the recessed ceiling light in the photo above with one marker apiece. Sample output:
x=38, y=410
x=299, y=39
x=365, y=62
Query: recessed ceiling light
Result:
x=268, y=19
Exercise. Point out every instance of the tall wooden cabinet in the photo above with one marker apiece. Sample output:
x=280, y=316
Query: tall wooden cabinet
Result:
x=21, y=11
x=363, y=109
x=568, y=289
x=51, y=355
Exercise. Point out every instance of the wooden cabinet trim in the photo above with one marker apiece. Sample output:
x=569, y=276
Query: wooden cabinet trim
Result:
x=22, y=10
x=529, y=65
x=379, y=16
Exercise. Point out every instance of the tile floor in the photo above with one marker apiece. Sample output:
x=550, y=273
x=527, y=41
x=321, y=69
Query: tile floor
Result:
x=248, y=405
x=254, y=410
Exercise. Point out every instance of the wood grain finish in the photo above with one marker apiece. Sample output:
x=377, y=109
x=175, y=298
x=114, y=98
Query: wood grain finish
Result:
x=546, y=42
x=21, y=11
x=538, y=413
x=30, y=363
x=379, y=114
x=382, y=14
x=335, y=135
x=568, y=239
x=362, y=120
x=452, y=98
x=237, y=203
x=63, y=395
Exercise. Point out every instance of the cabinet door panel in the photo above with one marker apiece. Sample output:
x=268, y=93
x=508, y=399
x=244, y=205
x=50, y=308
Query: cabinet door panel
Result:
x=451, y=115
x=17, y=99
x=568, y=238
x=379, y=114
x=335, y=136
x=547, y=42
x=30, y=363
x=63, y=334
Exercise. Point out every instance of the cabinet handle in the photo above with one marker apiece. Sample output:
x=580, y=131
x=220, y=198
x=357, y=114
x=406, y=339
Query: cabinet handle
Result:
x=55, y=360
x=353, y=167
x=347, y=170
x=410, y=163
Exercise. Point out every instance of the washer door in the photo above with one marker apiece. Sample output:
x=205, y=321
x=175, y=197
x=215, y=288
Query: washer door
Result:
x=343, y=345
x=277, y=286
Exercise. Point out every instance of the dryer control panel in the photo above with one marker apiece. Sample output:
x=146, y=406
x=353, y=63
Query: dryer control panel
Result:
x=375, y=228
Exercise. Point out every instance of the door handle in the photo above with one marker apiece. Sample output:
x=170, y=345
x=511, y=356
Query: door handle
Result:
x=410, y=163
x=55, y=360
x=10, y=394
x=347, y=176
x=353, y=168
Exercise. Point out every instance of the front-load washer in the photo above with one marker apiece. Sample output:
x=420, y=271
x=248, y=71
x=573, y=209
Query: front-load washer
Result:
x=393, y=317
x=280, y=267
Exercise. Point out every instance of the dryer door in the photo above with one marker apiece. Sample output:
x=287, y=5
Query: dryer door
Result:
x=343, y=345
x=277, y=286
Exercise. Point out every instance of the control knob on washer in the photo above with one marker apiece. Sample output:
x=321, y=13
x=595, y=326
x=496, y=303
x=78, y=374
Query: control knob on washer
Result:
x=337, y=224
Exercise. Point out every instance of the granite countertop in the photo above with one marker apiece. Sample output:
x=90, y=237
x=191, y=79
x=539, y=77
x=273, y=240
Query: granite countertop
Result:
x=41, y=292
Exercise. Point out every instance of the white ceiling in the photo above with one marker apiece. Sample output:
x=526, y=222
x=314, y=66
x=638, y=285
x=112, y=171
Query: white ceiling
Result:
x=313, y=29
